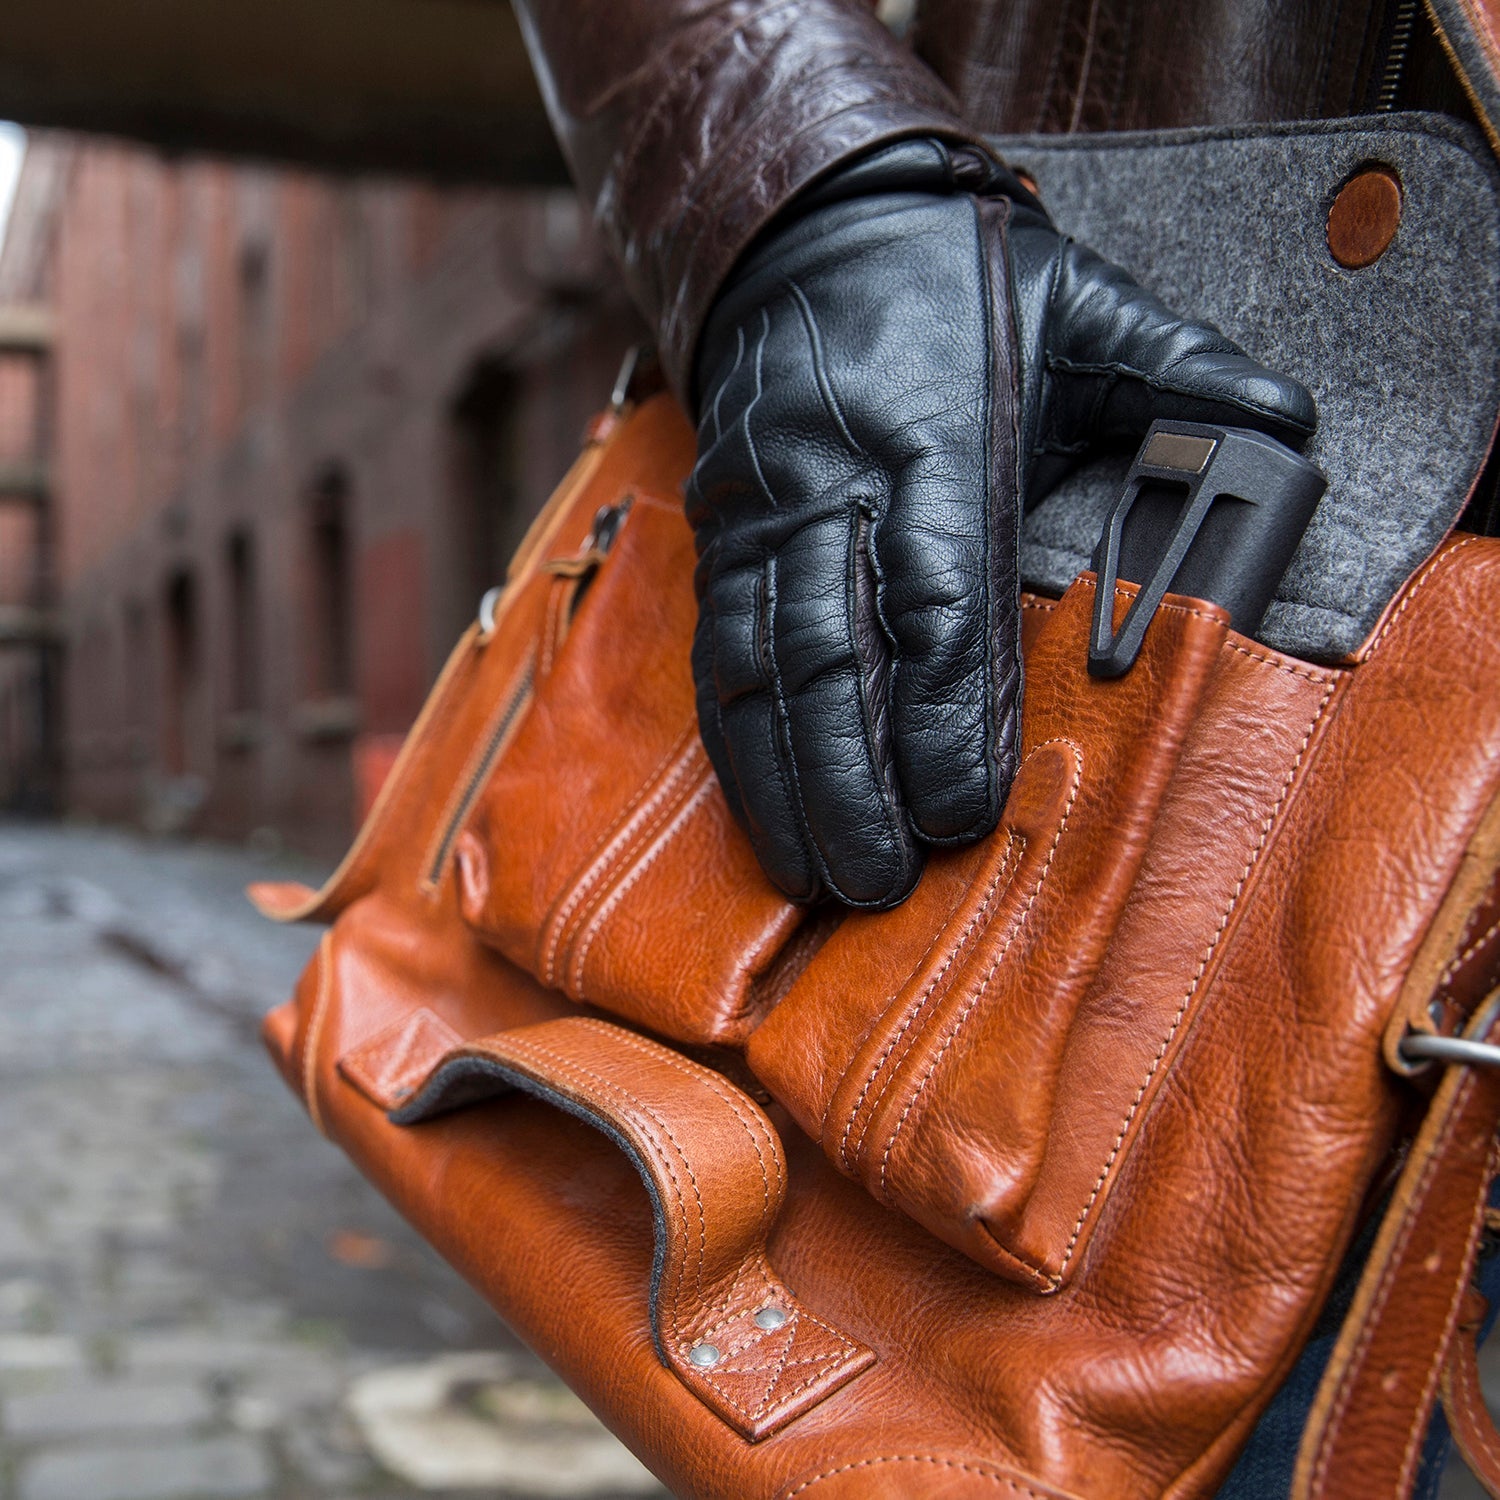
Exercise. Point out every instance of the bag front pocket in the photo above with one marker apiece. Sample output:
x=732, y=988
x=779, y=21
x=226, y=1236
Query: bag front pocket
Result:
x=601, y=855
x=971, y=1056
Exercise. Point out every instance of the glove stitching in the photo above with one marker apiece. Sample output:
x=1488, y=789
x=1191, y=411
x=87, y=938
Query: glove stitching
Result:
x=760, y=389
x=739, y=358
x=987, y=675
x=820, y=367
x=890, y=809
x=1119, y=370
x=786, y=767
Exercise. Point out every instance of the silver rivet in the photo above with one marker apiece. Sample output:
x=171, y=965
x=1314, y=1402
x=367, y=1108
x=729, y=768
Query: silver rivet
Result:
x=705, y=1356
x=769, y=1318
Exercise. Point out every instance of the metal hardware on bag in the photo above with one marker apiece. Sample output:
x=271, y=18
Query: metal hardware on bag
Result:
x=602, y=536
x=1212, y=512
x=770, y=1318
x=639, y=371
x=608, y=520
x=1418, y=1048
x=487, y=606
x=705, y=1356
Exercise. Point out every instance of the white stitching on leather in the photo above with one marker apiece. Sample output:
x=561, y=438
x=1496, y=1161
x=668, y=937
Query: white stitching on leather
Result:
x=709, y=1078
x=678, y=822
x=1208, y=953
x=1422, y=580
x=541, y=1050
x=1417, y=1434
x=1006, y=868
x=623, y=828
x=963, y=1015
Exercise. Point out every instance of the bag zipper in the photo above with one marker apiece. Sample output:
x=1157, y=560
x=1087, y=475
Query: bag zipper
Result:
x=603, y=534
x=1396, y=55
x=519, y=698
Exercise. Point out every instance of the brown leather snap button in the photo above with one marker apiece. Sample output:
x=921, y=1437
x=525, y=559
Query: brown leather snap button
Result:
x=1364, y=217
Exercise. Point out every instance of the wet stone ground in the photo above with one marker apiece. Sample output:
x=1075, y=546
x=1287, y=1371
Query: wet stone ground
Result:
x=199, y=1297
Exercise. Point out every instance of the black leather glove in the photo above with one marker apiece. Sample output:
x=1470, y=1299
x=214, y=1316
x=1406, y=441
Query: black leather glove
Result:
x=883, y=379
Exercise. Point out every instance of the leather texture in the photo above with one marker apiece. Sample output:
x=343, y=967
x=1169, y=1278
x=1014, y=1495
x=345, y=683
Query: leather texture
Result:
x=1469, y=32
x=660, y=111
x=1063, y=66
x=1463, y=1398
x=1364, y=1423
x=1324, y=831
x=1189, y=1053
x=575, y=896
x=857, y=651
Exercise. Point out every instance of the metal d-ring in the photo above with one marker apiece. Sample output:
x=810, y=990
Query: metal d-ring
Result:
x=1419, y=1047
x=487, y=607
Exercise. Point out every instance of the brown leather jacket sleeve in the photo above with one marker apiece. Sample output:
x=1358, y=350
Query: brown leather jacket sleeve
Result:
x=689, y=123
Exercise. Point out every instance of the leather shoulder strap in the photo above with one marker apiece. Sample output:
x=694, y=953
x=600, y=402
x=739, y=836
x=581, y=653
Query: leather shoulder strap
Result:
x=1463, y=1399
x=1365, y=1435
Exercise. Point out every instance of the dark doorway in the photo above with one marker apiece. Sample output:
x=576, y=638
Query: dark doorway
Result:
x=182, y=651
x=330, y=604
x=244, y=622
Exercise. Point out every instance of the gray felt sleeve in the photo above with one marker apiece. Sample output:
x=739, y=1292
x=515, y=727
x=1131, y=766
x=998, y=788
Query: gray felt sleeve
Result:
x=1403, y=356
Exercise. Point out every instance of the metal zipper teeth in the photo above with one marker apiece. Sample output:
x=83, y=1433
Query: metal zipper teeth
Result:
x=493, y=746
x=1396, y=55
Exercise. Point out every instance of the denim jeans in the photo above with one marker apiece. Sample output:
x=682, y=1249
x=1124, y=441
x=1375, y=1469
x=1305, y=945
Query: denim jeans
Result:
x=1264, y=1471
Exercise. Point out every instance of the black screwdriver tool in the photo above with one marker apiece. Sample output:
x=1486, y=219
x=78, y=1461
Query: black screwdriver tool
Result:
x=1212, y=512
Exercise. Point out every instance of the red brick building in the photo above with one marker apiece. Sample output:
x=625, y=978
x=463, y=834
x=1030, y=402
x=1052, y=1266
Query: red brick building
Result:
x=290, y=429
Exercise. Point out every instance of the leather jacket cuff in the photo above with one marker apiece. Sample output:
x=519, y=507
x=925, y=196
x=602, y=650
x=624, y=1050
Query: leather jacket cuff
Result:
x=741, y=199
x=689, y=127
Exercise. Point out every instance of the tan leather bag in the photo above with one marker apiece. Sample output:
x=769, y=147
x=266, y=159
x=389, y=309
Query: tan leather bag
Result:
x=1034, y=1186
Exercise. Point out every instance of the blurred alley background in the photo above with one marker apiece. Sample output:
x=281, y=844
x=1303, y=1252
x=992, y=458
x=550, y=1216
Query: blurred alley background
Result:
x=265, y=438
x=299, y=324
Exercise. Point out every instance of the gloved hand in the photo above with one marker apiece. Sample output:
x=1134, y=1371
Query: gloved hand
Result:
x=882, y=381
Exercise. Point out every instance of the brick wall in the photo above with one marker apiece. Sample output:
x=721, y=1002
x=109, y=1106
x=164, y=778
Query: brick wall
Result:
x=299, y=423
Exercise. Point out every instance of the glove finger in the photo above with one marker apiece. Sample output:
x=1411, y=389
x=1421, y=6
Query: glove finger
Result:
x=831, y=686
x=746, y=740
x=1120, y=359
x=948, y=600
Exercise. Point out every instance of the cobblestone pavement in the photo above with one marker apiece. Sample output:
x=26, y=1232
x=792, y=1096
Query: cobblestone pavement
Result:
x=200, y=1299
x=198, y=1296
